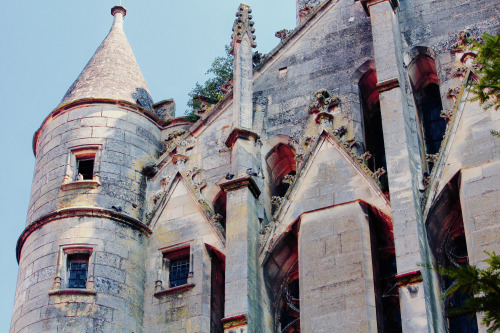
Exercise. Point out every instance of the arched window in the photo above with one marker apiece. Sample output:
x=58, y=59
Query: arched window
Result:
x=445, y=231
x=425, y=85
x=372, y=120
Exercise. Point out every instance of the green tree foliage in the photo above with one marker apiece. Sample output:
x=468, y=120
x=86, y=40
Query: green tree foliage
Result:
x=481, y=285
x=487, y=90
x=220, y=72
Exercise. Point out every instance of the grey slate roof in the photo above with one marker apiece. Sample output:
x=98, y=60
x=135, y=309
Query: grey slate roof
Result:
x=112, y=73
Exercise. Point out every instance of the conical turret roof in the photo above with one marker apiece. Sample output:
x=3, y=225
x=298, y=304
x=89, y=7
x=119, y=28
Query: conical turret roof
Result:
x=112, y=73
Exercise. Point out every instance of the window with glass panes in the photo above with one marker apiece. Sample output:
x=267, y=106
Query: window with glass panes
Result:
x=179, y=272
x=77, y=270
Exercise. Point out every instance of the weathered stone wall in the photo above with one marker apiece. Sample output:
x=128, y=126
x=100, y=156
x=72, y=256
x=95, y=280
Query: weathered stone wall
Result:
x=325, y=54
x=436, y=24
x=337, y=291
x=118, y=279
x=128, y=140
x=180, y=221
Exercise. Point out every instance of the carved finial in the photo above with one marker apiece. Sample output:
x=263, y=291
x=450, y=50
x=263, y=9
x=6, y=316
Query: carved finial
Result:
x=282, y=34
x=242, y=25
x=379, y=173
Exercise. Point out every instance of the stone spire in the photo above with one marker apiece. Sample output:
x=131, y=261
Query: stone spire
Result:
x=112, y=73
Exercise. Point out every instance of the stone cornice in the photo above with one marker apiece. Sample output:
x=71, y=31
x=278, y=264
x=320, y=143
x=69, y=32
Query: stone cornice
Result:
x=240, y=133
x=367, y=3
x=234, y=321
x=408, y=278
x=387, y=85
x=90, y=101
x=241, y=182
x=79, y=212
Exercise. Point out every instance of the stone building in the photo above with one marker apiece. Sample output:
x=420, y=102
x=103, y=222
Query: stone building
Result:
x=305, y=200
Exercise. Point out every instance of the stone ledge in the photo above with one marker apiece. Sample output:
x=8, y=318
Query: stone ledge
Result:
x=240, y=133
x=77, y=212
x=406, y=279
x=240, y=182
x=234, y=321
x=173, y=290
x=80, y=184
x=90, y=292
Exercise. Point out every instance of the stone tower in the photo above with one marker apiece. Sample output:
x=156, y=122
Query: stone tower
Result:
x=87, y=200
x=304, y=200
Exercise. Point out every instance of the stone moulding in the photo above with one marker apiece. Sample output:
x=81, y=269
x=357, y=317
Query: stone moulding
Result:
x=234, y=321
x=60, y=292
x=173, y=290
x=387, y=85
x=89, y=101
x=80, y=184
x=240, y=133
x=79, y=212
x=241, y=182
x=367, y=3
x=409, y=278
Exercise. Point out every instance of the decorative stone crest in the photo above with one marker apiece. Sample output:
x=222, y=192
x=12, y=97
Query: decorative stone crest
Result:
x=242, y=25
x=282, y=34
x=324, y=102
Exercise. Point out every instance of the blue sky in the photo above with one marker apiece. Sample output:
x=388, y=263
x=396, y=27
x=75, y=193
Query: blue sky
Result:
x=45, y=45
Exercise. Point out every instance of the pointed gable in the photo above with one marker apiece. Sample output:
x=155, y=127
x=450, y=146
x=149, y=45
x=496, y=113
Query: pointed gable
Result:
x=330, y=177
x=181, y=218
x=112, y=73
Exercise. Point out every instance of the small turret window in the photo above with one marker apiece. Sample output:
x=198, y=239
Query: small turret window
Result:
x=77, y=270
x=85, y=168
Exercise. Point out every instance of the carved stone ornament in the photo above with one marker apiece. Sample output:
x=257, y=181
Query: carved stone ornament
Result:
x=324, y=102
x=242, y=25
x=464, y=42
x=289, y=179
x=282, y=34
x=340, y=132
x=351, y=142
x=453, y=92
x=364, y=157
x=277, y=201
x=446, y=114
x=184, y=145
x=227, y=87
x=459, y=71
x=305, y=12
x=379, y=173
x=431, y=158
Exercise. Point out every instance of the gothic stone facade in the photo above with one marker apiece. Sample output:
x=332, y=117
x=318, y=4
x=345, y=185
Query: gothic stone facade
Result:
x=305, y=200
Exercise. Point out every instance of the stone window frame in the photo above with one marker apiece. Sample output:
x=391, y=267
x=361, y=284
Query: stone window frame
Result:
x=75, y=153
x=165, y=255
x=61, y=280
